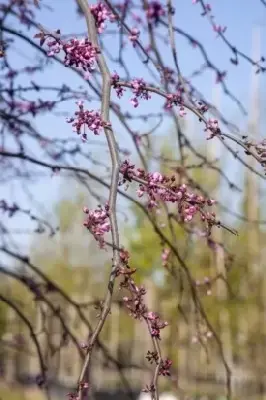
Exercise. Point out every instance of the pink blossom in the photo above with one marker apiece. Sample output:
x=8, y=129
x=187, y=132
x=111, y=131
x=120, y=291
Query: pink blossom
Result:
x=160, y=188
x=115, y=83
x=213, y=127
x=86, y=118
x=139, y=90
x=79, y=53
x=101, y=14
x=173, y=99
x=97, y=222
x=165, y=367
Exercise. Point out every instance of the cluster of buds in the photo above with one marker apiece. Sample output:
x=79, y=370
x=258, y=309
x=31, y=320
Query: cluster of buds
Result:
x=101, y=14
x=140, y=91
x=158, y=187
x=79, y=53
x=176, y=99
x=138, y=86
x=87, y=118
x=152, y=356
x=118, y=88
x=135, y=303
x=165, y=365
x=155, y=324
x=201, y=107
x=97, y=222
x=173, y=100
x=213, y=127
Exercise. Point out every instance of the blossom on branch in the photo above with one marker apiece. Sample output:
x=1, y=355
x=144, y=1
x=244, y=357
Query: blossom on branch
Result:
x=87, y=118
x=79, y=53
x=140, y=91
x=101, y=14
x=97, y=222
x=161, y=188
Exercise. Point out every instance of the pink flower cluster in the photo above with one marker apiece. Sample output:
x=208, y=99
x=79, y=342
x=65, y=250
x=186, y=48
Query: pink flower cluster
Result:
x=159, y=187
x=139, y=90
x=152, y=356
x=135, y=303
x=201, y=107
x=97, y=222
x=79, y=53
x=156, y=324
x=137, y=308
x=154, y=11
x=165, y=367
x=101, y=14
x=212, y=126
x=174, y=100
x=85, y=118
x=118, y=88
x=138, y=86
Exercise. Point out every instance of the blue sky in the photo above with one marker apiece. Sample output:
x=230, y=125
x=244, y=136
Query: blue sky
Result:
x=240, y=18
